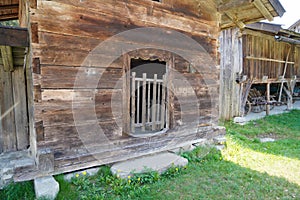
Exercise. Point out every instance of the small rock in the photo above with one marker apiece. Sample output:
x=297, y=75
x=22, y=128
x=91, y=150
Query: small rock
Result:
x=46, y=187
x=201, y=143
x=239, y=120
x=220, y=147
x=263, y=140
x=219, y=140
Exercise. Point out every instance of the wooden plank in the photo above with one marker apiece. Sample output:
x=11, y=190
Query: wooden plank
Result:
x=103, y=10
x=263, y=10
x=144, y=101
x=148, y=102
x=62, y=77
x=21, y=120
x=163, y=103
x=12, y=36
x=158, y=102
x=138, y=99
x=153, y=104
x=7, y=112
x=7, y=58
x=232, y=4
x=133, y=106
x=269, y=59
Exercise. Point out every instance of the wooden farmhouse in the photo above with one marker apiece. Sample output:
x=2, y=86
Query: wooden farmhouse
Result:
x=262, y=56
x=92, y=82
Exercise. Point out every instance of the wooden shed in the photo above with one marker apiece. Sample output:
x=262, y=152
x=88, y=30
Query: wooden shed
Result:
x=262, y=55
x=110, y=80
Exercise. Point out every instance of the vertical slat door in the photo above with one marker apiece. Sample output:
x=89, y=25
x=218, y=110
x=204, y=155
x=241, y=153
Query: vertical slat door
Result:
x=148, y=103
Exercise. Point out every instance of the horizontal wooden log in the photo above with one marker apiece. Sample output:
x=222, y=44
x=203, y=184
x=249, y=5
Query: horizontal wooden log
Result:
x=137, y=14
x=269, y=59
x=12, y=36
x=74, y=77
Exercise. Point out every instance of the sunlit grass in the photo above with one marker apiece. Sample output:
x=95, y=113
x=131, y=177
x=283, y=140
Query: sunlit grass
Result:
x=274, y=165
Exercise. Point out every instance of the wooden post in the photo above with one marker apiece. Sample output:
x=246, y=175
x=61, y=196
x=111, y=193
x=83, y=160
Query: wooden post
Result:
x=163, y=103
x=268, y=100
x=7, y=58
x=144, y=102
x=284, y=71
x=133, y=102
x=158, y=107
x=138, y=102
x=154, y=104
x=148, y=100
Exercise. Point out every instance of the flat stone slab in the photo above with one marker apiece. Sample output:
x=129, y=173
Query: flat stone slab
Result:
x=46, y=187
x=263, y=140
x=87, y=172
x=157, y=162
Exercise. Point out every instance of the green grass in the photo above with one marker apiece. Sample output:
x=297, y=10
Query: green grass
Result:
x=286, y=125
x=246, y=169
x=16, y=191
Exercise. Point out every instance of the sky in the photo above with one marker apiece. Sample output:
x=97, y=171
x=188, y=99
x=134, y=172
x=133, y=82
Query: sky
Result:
x=292, y=14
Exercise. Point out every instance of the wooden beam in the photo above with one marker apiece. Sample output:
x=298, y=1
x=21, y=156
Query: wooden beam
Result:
x=235, y=20
x=9, y=7
x=269, y=59
x=12, y=36
x=12, y=16
x=233, y=4
x=6, y=52
x=264, y=11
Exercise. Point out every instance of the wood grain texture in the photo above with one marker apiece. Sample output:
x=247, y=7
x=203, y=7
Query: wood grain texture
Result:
x=66, y=32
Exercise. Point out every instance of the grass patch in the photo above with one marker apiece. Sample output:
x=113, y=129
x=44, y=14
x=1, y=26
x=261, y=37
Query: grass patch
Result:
x=13, y=191
x=246, y=169
x=282, y=126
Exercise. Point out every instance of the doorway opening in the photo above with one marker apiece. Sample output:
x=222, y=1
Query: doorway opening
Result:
x=148, y=97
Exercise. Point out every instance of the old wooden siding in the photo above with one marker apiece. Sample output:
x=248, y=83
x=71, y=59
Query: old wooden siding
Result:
x=231, y=65
x=64, y=32
x=264, y=56
x=13, y=105
x=252, y=56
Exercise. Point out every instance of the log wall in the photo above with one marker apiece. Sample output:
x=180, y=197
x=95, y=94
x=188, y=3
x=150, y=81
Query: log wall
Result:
x=64, y=32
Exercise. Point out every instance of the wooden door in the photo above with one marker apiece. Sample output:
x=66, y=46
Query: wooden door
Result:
x=14, y=134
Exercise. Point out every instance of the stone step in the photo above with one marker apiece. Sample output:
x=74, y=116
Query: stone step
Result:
x=158, y=162
x=46, y=187
x=13, y=162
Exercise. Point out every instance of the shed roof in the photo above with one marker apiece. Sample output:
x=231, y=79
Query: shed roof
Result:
x=294, y=25
x=276, y=31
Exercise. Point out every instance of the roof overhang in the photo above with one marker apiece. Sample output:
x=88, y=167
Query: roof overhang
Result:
x=241, y=12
